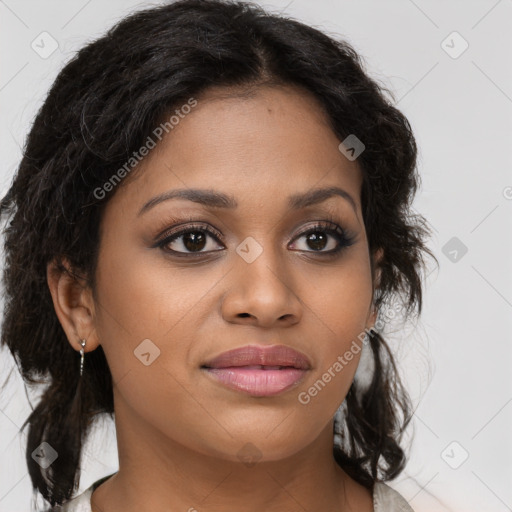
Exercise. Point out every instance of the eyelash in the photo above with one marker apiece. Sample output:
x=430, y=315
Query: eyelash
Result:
x=329, y=226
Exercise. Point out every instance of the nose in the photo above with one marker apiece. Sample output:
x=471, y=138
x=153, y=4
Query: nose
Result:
x=262, y=292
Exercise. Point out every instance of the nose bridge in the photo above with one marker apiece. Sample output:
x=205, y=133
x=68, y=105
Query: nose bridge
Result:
x=260, y=262
x=262, y=286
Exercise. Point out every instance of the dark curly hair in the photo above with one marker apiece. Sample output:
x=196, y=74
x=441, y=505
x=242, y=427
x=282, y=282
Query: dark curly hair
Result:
x=101, y=108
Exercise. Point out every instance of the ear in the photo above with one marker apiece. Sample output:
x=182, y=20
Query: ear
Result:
x=377, y=258
x=73, y=303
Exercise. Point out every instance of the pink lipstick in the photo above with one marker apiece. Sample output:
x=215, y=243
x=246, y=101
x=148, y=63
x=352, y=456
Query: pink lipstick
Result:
x=259, y=370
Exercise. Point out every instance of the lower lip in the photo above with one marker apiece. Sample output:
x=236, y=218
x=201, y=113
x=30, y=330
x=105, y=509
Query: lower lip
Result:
x=257, y=382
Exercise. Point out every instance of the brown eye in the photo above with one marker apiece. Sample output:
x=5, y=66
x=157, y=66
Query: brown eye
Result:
x=317, y=240
x=324, y=239
x=190, y=240
x=194, y=241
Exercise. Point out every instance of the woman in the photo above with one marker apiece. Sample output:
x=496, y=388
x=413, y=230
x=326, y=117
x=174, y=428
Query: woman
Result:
x=208, y=225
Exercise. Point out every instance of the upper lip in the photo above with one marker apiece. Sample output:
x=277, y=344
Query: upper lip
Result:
x=275, y=355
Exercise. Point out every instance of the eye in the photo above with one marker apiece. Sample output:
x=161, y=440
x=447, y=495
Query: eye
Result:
x=190, y=240
x=325, y=238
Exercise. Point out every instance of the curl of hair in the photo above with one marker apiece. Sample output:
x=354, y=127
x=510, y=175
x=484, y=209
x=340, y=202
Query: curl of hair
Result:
x=101, y=108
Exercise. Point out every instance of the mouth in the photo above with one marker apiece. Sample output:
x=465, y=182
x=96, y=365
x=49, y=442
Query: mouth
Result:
x=258, y=370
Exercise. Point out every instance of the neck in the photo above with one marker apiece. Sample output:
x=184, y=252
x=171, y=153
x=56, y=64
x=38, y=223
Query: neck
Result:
x=158, y=474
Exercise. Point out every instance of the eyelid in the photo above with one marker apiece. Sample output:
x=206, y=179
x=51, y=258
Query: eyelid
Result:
x=186, y=222
x=323, y=224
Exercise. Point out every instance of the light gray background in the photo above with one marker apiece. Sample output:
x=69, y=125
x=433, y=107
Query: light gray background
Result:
x=456, y=359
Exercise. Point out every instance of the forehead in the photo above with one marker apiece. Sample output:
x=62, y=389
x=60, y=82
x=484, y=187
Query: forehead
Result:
x=259, y=145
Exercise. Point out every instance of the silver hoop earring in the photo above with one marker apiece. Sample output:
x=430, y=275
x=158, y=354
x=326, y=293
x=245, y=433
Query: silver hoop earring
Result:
x=82, y=342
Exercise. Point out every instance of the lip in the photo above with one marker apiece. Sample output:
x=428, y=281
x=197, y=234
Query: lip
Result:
x=255, y=369
x=275, y=355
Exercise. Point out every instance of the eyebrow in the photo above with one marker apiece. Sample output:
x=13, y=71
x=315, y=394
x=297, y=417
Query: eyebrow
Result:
x=215, y=199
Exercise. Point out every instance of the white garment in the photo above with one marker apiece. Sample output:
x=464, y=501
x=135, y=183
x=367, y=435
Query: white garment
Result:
x=385, y=499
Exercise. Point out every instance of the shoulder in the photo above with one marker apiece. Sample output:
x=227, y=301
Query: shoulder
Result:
x=80, y=503
x=386, y=499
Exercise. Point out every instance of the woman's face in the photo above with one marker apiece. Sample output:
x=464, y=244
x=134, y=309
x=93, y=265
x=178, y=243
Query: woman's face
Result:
x=243, y=275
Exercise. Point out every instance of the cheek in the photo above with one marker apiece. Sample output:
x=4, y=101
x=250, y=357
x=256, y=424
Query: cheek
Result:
x=143, y=296
x=149, y=321
x=146, y=324
x=338, y=306
x=338, y=299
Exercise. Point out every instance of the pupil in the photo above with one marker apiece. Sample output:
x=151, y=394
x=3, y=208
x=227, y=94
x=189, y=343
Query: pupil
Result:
x=195, y=240
x=316, y=238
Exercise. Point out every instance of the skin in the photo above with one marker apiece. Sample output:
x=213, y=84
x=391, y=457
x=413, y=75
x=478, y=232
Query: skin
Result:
x=179, y=432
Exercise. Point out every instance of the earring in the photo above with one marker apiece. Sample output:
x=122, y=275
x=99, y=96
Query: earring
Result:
x=365, y=369
x=82, y=342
